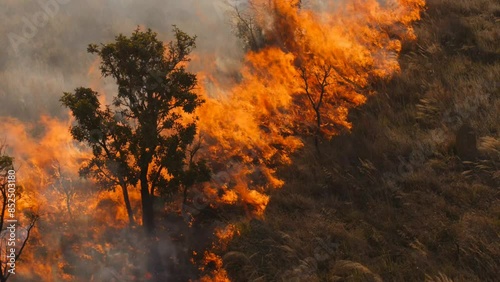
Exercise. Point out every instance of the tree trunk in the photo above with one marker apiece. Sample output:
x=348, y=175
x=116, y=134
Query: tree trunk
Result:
x=154, y=259
x=127, y=203
x=147, y=203
x=147, y=208
x=318, y=131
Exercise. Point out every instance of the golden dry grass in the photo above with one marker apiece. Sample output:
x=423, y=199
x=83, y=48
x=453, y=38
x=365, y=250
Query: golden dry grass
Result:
x=392, y=200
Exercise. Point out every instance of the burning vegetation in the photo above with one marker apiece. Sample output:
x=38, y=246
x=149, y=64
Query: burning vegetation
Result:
x=157, y=183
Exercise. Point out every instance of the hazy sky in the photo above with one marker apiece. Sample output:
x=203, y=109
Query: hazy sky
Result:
x=45, y=41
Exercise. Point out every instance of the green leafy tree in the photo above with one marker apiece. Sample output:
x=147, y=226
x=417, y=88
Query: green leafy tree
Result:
x=145, y=136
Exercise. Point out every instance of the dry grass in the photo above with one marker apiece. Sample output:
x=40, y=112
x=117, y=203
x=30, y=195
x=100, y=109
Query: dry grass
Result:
x=392, y=200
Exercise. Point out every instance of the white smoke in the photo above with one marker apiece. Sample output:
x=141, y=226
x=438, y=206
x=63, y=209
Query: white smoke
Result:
x=45, y=42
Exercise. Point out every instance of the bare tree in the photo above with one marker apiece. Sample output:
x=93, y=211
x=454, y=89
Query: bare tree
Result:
x=315, y=88
x=10, y=245
x=64, y=186
x=246, y=29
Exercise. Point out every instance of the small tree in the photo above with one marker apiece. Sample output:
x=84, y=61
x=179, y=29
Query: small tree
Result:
x=144, y=137
x=328, y=93
x=64, y=186
x=246, y=28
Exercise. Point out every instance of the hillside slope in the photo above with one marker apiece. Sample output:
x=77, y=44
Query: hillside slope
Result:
x=412, y=192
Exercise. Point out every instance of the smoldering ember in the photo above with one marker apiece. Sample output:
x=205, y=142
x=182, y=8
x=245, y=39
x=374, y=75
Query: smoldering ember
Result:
x=249, y=140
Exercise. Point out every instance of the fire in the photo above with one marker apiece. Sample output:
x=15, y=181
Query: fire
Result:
x=315, y=62
x=72, y=210
x=55, y=143
x=217, y=273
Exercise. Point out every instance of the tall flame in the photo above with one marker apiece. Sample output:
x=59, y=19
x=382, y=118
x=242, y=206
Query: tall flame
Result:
x=334, y=50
